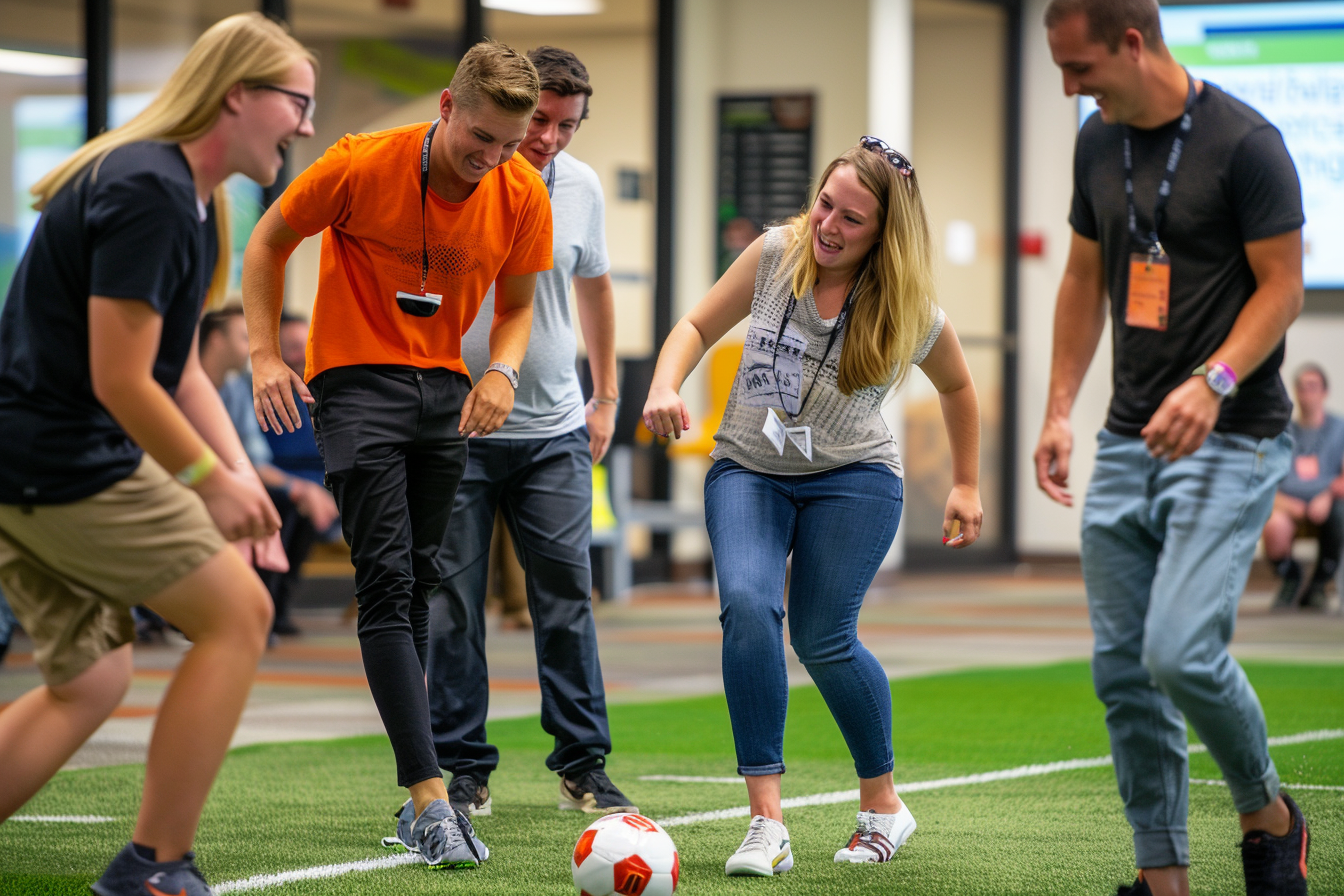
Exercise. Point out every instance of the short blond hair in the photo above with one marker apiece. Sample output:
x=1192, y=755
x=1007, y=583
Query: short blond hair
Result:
x=490, y=70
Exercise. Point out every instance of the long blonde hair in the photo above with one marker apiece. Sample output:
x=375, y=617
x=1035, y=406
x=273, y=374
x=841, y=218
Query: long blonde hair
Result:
x=247, y=48
x=894, y=304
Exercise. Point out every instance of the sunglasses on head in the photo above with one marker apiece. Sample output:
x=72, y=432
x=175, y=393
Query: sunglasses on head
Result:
x=898, y=161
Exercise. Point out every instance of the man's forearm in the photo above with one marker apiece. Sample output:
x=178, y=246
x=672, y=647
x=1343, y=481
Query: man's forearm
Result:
x=1080, y=318
x=1259, y=328
x=597, y=317
x=509, y=333
x=263, y=281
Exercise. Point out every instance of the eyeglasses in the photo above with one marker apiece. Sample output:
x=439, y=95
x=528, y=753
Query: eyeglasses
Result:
x=309, y=103
x=898, y=161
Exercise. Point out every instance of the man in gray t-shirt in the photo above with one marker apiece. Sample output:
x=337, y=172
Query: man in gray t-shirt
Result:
x=1311, y=491
x=536, y=469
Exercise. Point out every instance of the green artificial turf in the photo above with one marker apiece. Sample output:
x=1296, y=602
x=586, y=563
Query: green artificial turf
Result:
x=280, y=807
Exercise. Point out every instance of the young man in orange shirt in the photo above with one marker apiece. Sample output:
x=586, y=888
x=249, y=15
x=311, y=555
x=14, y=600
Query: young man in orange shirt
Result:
x=417, y=222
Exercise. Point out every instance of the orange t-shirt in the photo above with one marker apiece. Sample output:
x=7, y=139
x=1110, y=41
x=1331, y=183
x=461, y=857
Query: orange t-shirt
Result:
x=365, y=194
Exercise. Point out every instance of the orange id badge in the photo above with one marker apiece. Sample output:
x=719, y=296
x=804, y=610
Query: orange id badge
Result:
x=1149, y=297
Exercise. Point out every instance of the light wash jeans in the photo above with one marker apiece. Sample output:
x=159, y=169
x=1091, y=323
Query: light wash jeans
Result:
x=1166, y=550
x=838, y=526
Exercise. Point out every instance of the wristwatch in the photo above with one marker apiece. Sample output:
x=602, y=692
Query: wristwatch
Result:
x=1221, y=378
x=509, y=372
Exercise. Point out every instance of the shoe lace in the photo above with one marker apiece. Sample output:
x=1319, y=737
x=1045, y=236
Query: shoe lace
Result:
x=467, y=833
x=758, y=835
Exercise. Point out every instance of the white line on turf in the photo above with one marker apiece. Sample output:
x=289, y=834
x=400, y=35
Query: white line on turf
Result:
x=1214, y=783
x=263, y=881
x=66, y=819
x=1022, y=771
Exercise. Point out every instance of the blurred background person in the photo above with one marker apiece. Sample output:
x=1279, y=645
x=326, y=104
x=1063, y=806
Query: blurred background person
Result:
x=307, y=510
x=1311, y=492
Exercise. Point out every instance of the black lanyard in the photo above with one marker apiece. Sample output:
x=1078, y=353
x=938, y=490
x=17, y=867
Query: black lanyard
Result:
x=548, y=178
x=1164, y=188
x=830, y=344
x=424, y=192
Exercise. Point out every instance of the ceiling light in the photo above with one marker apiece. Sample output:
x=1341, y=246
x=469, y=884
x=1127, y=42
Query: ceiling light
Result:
x=546, y=7
x=18, y=62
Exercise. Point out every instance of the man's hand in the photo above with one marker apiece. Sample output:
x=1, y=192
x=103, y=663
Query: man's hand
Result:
x=1183, y=421
x=487, y=405
x=601, y=420
x=314, y=502
x=1052, y=459
x=273, y=388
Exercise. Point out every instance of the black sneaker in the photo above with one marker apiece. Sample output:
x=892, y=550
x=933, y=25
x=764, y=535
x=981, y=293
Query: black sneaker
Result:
x=469, y=796
x=1277, y=866
x=1287, y=596
x=131, y=875
x=1314, y=597
x=1140, y=888
x=593, y=792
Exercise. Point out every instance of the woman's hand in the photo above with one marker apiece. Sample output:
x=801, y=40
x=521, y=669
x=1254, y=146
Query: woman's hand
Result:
x=962, y=517
x=665, y=413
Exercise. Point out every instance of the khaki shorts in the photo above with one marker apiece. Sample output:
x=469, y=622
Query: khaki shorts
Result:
x=72, y=572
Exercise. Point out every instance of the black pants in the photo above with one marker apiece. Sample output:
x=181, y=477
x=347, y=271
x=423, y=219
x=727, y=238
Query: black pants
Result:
x=388, y=436
x=545, y=487
x=1331, y=537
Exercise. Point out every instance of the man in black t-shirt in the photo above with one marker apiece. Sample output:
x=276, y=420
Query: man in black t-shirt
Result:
x=1187, y=214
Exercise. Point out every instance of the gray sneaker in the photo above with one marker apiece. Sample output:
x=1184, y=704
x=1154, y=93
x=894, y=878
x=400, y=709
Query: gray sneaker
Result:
x=405, y=817
x=444, y=838
x=130, y=875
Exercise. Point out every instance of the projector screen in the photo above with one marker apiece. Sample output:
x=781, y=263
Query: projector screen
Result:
x=1287, y=61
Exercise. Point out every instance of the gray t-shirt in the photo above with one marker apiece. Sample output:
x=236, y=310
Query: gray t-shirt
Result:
x=549, y=401
x=845, y=429
x=1318, y=456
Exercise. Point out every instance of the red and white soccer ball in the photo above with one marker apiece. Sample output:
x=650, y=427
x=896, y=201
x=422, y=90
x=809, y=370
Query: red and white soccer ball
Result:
x=625, y=854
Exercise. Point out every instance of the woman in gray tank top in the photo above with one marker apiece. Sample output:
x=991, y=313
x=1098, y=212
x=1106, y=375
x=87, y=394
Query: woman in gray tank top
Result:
x=840, y=305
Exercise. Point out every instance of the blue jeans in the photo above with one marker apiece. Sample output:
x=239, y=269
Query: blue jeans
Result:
x=1166, y=550
x=838, y=525
x=545, y=489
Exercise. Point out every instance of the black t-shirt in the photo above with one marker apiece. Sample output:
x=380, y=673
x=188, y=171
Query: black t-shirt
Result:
x=1235, y=184
x=132, y=231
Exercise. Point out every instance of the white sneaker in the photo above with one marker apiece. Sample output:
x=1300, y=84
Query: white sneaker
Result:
x=877, y=836
x=764, y=851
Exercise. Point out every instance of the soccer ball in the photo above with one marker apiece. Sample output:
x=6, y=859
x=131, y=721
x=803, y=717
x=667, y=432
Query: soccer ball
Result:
x=625, y=854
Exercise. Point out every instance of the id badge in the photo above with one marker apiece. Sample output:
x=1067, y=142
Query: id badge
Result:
x=1149, y=298
x=774, y=430
x=1307, y=467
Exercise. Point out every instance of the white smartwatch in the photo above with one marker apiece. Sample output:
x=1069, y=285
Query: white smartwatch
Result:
x=509, y=372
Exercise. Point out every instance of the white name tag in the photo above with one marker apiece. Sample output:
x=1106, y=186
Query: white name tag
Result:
x=801, y=437
x=774, y=430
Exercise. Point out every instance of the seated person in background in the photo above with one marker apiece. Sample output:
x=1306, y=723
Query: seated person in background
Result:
x=7, y=624
x=306, y=508
x=1311, y=491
